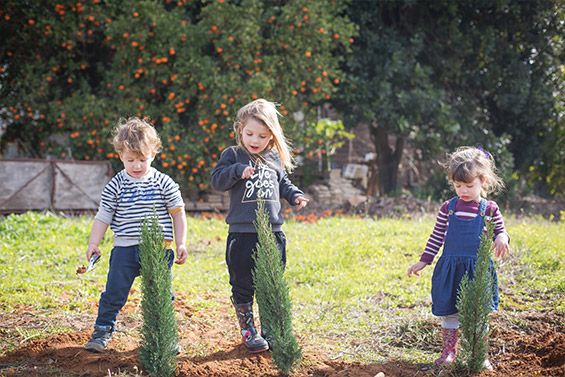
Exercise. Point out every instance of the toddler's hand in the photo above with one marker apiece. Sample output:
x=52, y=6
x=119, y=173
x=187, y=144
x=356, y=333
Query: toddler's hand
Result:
x=301, y=202
x=416, y=268
x=182, y=254
x=500, y=245
x=92, y=249
x=248, y=172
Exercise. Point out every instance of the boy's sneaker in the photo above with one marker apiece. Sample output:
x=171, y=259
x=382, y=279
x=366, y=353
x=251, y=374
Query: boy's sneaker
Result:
x=100, y=338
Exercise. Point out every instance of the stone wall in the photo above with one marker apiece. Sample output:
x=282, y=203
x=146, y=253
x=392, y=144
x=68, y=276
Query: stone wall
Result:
x=336, y=191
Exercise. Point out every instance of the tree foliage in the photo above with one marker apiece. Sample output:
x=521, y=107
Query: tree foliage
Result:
x=70, y=70
x=443, y=73
x=324, y=138
x=159, y=336
x=548, y=169
x=429, y=75
x=272, y=293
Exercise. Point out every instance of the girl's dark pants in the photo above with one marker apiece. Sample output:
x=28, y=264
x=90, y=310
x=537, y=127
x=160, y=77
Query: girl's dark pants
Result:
x=240, y=248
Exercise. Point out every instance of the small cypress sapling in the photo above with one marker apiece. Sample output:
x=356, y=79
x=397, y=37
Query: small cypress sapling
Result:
x=474, y=303
x=159, y=337
x=272, y=294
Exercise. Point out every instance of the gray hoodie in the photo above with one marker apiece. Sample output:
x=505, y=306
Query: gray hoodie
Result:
x=269, y=182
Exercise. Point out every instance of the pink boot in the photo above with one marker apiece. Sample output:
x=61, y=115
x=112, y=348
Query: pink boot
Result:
x=450, y=338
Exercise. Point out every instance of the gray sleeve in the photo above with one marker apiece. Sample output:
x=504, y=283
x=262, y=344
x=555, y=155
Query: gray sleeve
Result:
x=171, y=191
x=108, y=202
x=288, y=190
x=227, y=172
x=104, y=215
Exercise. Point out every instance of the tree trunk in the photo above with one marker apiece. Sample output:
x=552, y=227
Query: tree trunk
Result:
x=373, y=181
x=388, y=159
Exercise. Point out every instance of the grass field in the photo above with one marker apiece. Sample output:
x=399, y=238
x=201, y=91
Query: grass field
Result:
x=347, y=276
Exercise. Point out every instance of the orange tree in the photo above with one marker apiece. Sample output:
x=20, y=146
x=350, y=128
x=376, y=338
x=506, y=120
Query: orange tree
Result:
x=70, y=69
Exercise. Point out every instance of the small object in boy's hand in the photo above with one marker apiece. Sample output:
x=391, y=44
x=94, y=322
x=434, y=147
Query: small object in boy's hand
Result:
x=81, y=269
x=93, y=259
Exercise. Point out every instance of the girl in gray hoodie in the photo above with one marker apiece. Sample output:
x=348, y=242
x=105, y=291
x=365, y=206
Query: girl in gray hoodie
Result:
x=256, y=168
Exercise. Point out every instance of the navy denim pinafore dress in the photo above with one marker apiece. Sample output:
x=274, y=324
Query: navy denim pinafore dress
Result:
x=459, y=256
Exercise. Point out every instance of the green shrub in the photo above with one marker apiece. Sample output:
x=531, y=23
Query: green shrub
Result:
x=271, y=291
x=159, y=332
x=474, y=303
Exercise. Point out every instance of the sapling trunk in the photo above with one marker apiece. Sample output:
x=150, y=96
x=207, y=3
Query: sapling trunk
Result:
x=474, y=303
x=159, y=337
x=272, y=294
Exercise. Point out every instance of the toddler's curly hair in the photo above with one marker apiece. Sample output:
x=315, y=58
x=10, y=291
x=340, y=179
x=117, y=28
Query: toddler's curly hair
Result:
x=468, y=163
x=136, y=135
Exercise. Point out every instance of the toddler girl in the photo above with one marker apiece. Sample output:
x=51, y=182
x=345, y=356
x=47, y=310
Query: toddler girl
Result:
x=458, y=227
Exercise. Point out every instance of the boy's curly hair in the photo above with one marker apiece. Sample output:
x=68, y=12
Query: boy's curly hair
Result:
x=136, y=135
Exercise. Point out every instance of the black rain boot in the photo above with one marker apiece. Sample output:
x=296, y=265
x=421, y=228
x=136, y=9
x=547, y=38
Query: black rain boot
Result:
x=267, y=334
x=252, y=340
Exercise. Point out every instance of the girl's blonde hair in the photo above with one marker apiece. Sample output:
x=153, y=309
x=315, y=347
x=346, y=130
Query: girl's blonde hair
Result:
x=265, y=112
x=137, y=136
x=468, y=163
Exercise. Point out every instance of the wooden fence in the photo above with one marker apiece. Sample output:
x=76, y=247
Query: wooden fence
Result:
x=52, y=184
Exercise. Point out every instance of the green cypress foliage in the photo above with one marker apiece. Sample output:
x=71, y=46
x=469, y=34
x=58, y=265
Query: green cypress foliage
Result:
x=272, y=294
x=159, y=336
x=474, y=303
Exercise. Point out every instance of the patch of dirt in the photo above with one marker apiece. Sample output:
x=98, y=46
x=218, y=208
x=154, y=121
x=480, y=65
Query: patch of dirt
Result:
x=534, y=347
x=524, y=344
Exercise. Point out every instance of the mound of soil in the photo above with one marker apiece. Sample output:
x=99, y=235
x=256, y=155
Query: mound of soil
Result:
x=211, y=348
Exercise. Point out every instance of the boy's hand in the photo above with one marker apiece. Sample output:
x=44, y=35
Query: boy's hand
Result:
x=92, y=249
x=301, y=202
x=182, y=254
x=248, y=172
x=500, y=245
x=416, y=268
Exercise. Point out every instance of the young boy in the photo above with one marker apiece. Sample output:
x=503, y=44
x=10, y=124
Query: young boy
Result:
x=127, y=199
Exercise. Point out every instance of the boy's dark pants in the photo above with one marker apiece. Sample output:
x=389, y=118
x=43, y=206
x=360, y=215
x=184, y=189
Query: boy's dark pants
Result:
x=240, y=248
x=124, y=268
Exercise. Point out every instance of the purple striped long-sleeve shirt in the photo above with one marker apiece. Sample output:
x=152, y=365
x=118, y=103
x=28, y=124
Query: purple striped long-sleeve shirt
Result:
x=464, y=210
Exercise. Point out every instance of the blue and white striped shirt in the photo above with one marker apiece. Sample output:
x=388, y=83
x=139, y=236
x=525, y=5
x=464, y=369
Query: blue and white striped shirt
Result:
x=126, y=201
